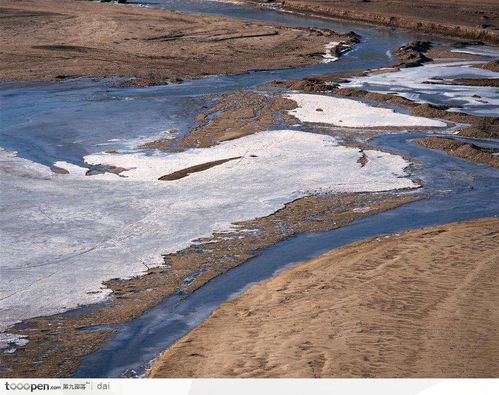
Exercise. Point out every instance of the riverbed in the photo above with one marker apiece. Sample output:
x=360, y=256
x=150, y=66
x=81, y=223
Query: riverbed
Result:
x=64, y=122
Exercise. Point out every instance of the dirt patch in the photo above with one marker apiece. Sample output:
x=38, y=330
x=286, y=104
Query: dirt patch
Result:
x=59, y=170
x=413, y=54
x=56, y=39
x=177, y=175
x=56, y=343
x=105, y=169
x=462, y=150
x=492, y=66
x=437, y=53
x=421, y=304
x=492, y=82
x=234, y=115
x=470, y=19
x=70, y=48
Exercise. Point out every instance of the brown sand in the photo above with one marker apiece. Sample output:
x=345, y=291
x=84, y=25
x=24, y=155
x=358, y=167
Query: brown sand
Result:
x=470, y=19
x=421, y=304
x=491, y=82
x=413, y=54
x=56, y=39
x=462, y=150
x=493, y=65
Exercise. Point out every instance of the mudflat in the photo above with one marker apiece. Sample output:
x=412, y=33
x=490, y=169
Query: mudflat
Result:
x=55, y=39
x=470, y=19
x=421, y=304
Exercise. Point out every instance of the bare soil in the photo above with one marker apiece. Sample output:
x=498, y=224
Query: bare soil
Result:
x=177, y=175
x=493, y=65
x=491, y=82
x=469, y=19
x=421, y=304
x=462, y=150
x=233, y=115
x=57, y=39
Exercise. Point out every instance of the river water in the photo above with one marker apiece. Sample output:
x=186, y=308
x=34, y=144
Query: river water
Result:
x=64, y=121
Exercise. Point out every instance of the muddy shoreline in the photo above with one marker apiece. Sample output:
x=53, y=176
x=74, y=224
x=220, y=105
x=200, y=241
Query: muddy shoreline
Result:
x=471, y=20
x=487, y=156
x=232, y=116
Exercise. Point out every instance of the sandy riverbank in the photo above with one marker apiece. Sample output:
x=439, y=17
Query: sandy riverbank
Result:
x=232, y=115
x=469, y=19
x=56, y=39
x=420, y=304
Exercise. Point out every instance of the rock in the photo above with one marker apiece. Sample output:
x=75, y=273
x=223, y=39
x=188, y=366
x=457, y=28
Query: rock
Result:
x=59, y=170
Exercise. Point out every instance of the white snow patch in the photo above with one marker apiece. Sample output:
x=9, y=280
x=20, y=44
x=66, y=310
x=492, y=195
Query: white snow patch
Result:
x=351, y=113
x=329, y=55
x=483, y=50
x=63, y=235
x=10, y=341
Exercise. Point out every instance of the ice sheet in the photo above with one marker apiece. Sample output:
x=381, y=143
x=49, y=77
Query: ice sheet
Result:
x=63, y=235
x=431, y=83
x=483, y=50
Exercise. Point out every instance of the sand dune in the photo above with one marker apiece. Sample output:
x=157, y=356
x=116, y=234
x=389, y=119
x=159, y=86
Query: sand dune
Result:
x=421, y=304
